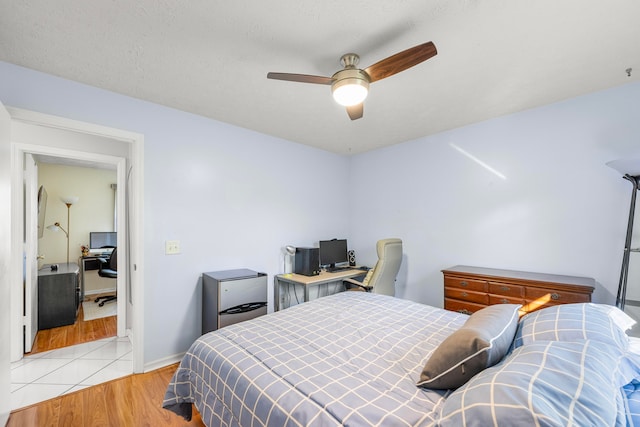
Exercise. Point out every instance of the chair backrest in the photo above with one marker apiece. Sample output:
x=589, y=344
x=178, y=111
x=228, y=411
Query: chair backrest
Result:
x=113, y=260
x=384, y=274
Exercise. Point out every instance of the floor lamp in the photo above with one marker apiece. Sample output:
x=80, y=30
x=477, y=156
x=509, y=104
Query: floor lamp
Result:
x=69, y=201
x=630, y=170
x=624, y=272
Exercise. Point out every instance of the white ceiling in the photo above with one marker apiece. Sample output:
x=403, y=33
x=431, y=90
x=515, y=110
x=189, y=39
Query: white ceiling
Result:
x=211, y=57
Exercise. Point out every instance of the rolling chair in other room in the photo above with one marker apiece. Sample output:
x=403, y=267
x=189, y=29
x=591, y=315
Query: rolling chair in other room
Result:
x=108, y=268
x=381, y=279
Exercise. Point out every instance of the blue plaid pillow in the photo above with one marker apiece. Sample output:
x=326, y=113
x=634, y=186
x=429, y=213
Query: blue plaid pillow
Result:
x=571, y=322
x=550, y=383
x=632, y=393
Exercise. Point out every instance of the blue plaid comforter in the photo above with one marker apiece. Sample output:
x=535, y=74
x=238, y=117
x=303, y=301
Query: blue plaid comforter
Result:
x=353, y=358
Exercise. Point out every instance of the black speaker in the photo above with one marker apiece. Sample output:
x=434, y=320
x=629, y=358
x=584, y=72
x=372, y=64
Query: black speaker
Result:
x=352, y=258
x=307, y=261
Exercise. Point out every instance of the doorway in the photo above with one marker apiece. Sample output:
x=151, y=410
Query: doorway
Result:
x=82, y=224
x=82, y=143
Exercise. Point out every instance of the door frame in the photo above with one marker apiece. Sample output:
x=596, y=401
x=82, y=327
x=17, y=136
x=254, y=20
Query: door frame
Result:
x=130, y=202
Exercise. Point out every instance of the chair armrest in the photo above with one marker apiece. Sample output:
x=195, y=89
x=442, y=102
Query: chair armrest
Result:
x=356, y=283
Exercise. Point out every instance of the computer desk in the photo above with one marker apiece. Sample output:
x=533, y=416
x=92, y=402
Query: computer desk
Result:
x=307, y=282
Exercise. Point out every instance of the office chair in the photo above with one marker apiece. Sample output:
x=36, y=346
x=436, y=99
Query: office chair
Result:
x=381, y=278
x=108, y=268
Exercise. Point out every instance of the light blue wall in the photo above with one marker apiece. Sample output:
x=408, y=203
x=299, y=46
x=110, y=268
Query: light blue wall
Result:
x=559, y=208
x=232, y=197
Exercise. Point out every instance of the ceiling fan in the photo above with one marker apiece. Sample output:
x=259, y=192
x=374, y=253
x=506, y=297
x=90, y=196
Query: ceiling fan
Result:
x=350, y=85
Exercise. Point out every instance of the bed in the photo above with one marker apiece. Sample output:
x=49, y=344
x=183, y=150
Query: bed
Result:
x=362, y=359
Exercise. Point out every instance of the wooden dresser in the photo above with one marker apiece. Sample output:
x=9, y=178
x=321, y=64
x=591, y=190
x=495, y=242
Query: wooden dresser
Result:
x=468, y=289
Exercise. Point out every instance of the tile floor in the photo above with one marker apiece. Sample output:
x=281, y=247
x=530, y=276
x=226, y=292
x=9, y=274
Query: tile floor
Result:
x=49, y=374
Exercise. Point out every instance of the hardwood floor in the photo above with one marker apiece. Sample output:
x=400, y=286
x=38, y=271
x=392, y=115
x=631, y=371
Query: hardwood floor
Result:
x=135, y=400
x=81, y=331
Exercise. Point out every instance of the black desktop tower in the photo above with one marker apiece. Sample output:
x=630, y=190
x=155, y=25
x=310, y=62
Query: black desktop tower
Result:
x=307, y=261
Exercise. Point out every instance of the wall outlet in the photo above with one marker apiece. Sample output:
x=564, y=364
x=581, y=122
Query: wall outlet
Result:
x=171, y=247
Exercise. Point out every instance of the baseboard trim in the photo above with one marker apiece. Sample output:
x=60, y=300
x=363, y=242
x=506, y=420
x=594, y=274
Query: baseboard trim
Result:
x=161, y=363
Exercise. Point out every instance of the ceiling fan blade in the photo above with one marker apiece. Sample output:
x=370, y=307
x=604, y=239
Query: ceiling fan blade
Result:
x=302, y=78
x=401, y=61
x=355, y=111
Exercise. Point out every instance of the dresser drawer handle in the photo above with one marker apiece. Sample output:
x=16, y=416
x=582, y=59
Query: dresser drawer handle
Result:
x=504, y=301
x=464, y=311
x=555, y=296
x=464, y=294
x=463, y=283
x=504, y=288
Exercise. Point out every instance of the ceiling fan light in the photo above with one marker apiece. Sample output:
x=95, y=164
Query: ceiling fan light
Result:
x=350, y=86
x=350, y=92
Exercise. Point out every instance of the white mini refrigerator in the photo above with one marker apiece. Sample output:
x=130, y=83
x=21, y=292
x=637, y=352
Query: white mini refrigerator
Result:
x=232, y=296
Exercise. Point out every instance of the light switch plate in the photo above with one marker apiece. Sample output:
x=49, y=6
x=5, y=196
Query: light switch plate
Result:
x=171, y=247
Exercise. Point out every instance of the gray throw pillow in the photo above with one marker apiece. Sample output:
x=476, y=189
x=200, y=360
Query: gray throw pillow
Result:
x=482, y=342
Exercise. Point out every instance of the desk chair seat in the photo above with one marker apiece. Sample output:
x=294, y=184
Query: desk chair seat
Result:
x=381, y=278
x=109, y=269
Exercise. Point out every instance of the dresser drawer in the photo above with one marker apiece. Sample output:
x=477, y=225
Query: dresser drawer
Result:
x=467, y=284
x=506, y=289
x=462, y=306
x=466, y=295
x=554, y=296
x=502, y=299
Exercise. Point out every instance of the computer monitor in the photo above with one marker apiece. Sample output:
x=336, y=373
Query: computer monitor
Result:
x=333, y=252
x=103, y=240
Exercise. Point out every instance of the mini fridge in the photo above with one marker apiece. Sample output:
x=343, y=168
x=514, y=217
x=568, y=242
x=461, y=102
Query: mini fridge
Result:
x=232, y=296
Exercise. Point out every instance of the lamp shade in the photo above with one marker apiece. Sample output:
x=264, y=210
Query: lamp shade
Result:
x=350, y=94
x=70, y=200
x=626, y=166
x=57, y=227
x=289, y=252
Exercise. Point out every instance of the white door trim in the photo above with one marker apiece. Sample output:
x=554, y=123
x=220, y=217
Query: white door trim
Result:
x=134, y=190
x=30, y=250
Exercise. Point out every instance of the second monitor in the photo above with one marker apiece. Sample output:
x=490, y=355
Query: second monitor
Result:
x=333, y=252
